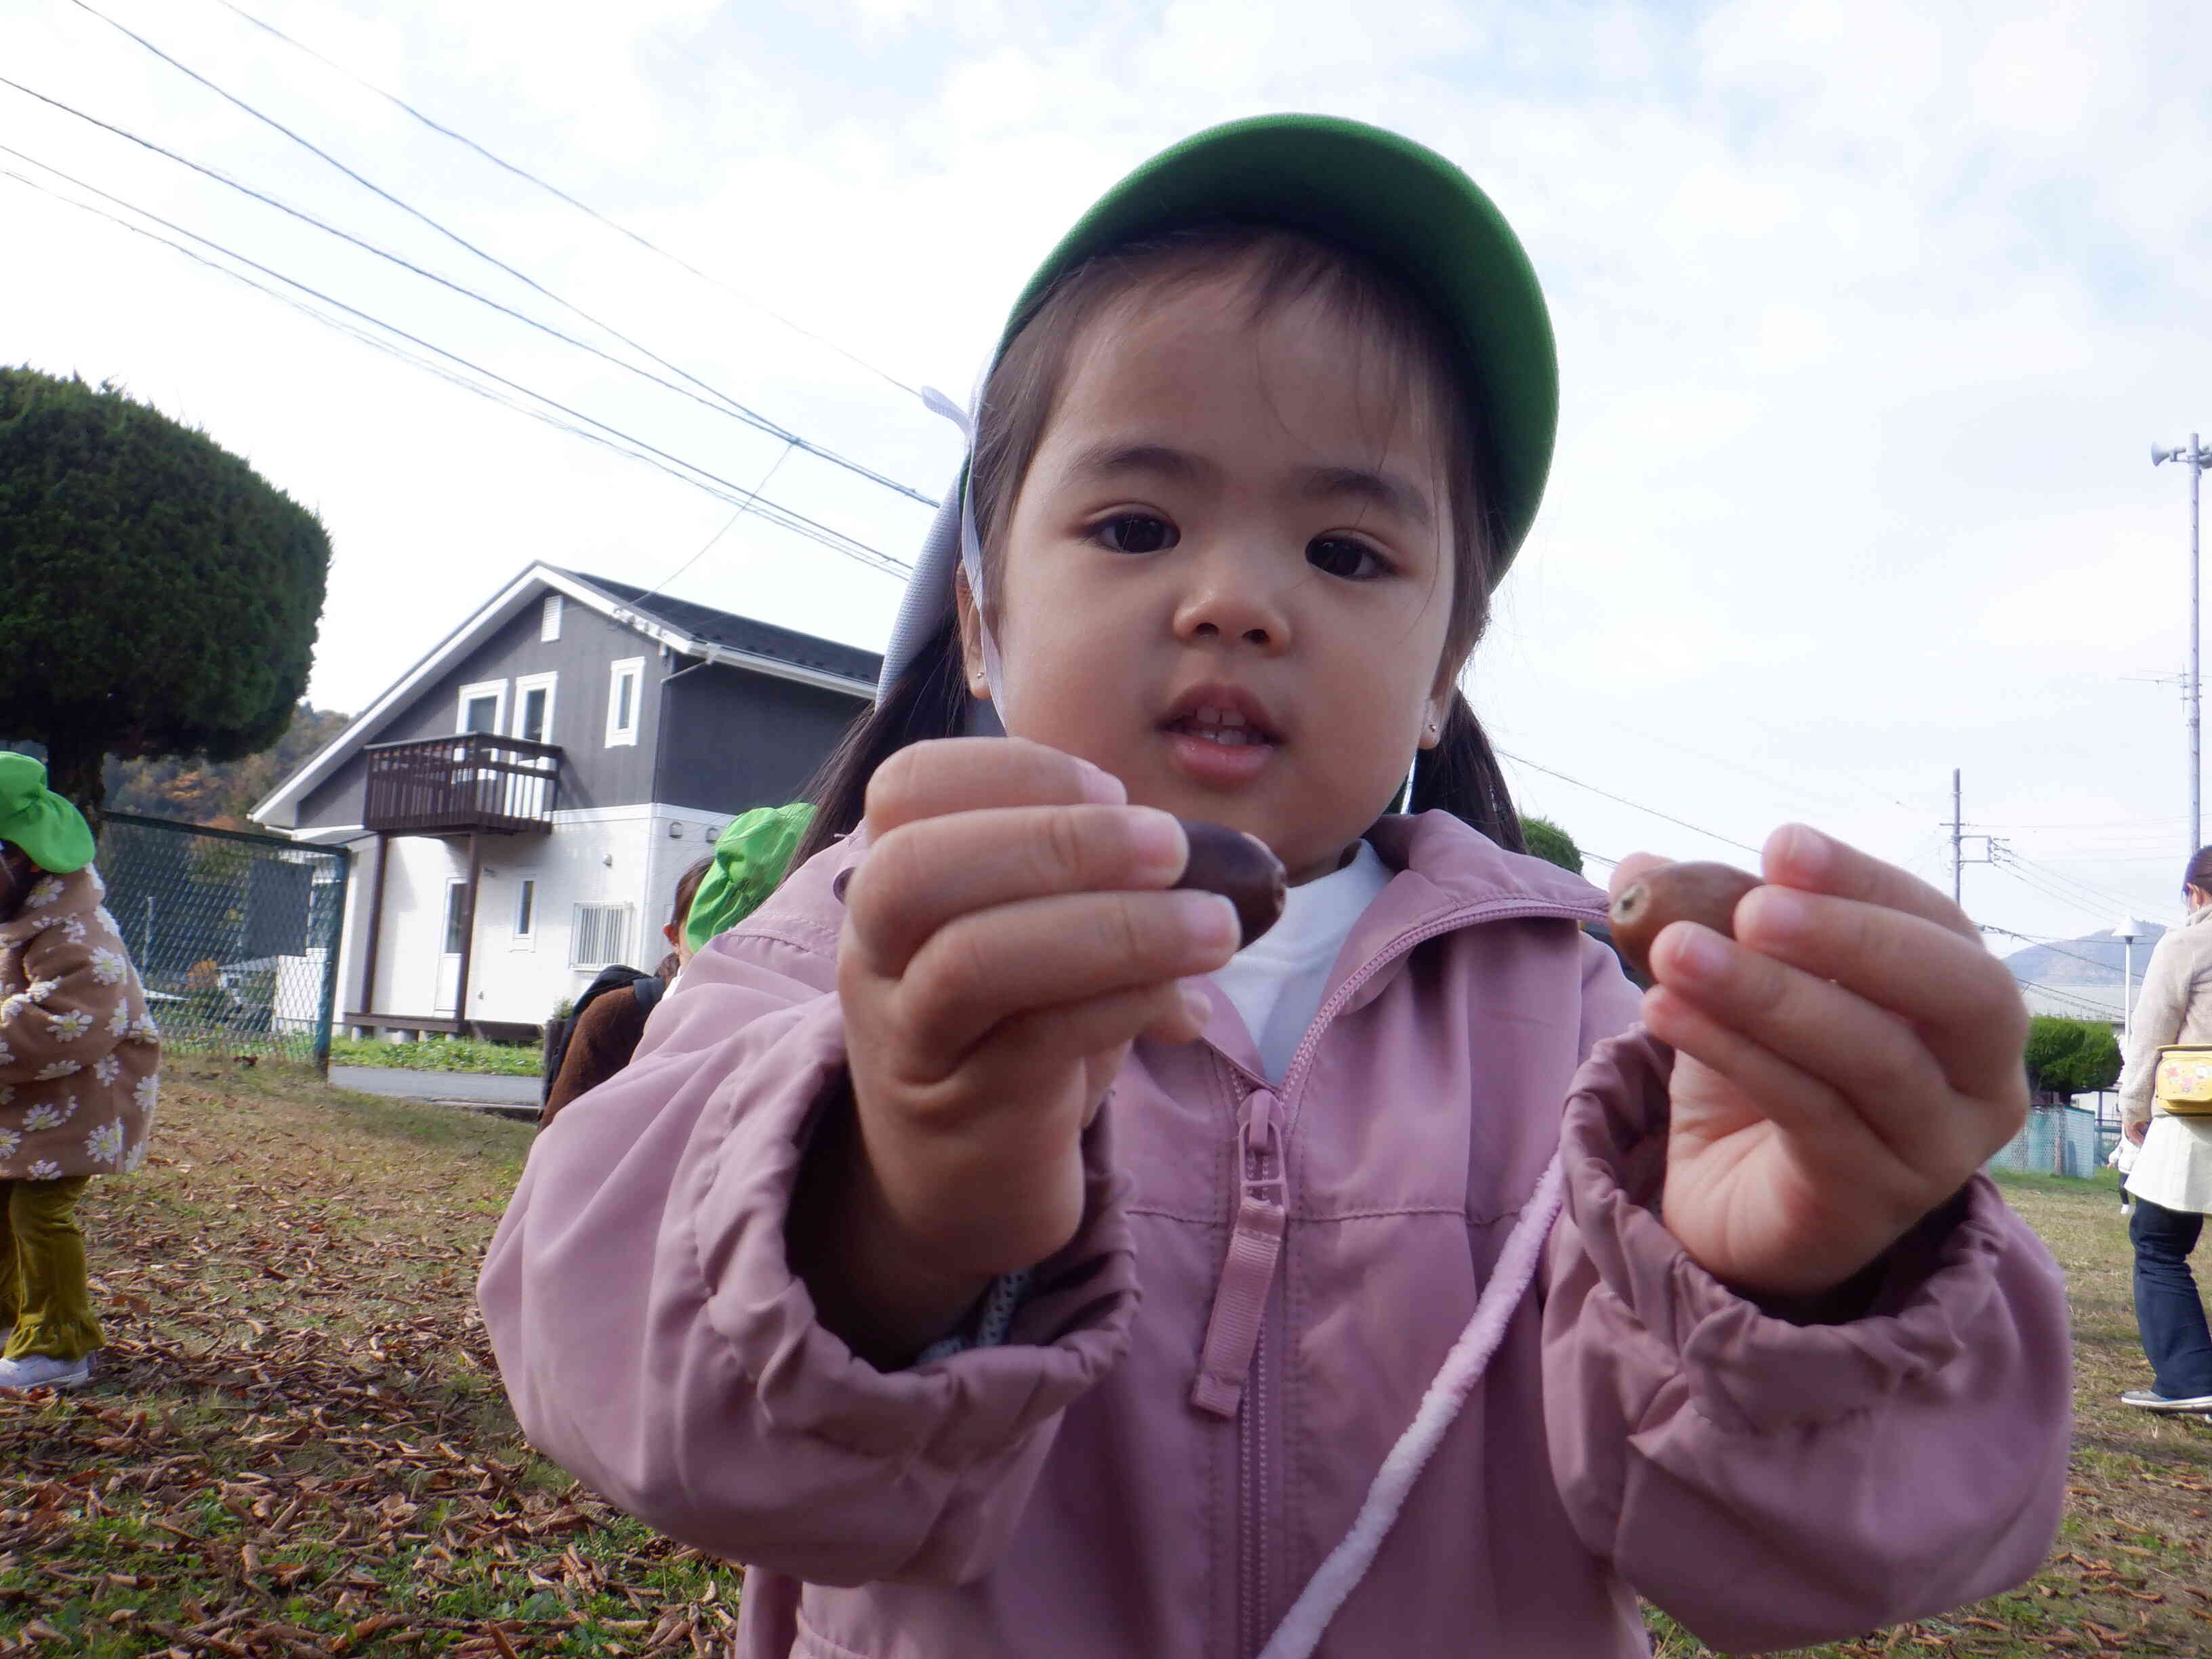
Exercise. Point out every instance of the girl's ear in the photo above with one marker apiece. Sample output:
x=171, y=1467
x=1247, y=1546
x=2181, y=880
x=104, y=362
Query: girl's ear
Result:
x=971, y=636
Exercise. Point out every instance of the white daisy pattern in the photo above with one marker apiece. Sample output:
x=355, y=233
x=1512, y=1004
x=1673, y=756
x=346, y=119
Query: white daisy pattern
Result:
x=70, y=1024
x=10, y=1140
x=142, y=1029
x=7, y=1055
x=146, y=1092
x=43, y=893
x=118, y=1021
x=108, y=967
x=73, y=929
x=108, y=1068
x=105, y=1143
x=108, y=922
x=46, y=1170
x=50, y=1117
x=7, y=1093
x=58, y=1068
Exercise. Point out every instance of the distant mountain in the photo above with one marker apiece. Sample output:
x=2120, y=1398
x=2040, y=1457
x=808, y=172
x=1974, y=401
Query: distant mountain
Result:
x=2096, y=959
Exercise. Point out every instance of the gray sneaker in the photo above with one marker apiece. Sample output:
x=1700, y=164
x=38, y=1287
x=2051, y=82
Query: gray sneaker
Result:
x=2199, y=1404
x=38, y=1370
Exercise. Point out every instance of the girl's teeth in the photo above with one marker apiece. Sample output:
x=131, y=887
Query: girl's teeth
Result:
x=1208, y=715
x=1232, y=717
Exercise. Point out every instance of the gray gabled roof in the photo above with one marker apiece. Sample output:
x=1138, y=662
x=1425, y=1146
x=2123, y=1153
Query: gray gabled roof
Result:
x=745, y=634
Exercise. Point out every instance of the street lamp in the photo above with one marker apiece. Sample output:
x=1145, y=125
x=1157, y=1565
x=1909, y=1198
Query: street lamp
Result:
x=2128, y=933
x=2198, y=459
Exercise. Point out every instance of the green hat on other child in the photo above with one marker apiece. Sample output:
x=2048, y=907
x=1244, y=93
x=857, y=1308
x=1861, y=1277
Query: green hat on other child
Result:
x=50, y=831
x=750, y=859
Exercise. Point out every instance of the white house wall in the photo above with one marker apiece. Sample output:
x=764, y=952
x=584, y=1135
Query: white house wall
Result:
x=605, y=855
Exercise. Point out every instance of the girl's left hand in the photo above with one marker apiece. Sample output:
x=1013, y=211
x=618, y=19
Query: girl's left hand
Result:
x=1845, y=1066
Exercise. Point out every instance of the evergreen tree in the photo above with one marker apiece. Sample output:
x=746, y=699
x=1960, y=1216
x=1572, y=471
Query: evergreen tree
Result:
x=162, y=595
x=1548, y=841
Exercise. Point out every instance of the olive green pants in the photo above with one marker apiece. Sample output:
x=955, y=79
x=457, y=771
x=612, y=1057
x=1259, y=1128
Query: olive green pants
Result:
x=43, y=1288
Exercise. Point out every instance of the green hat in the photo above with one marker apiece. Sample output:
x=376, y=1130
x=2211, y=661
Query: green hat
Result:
x=50, y=831
x=749, y=858
x=1399, y=202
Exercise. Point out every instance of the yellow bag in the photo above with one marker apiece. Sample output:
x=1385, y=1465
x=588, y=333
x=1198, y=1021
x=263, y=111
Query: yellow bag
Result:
x=2184, y=1086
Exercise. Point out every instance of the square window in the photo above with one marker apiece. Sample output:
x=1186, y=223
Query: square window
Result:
x=599, y=936
x=482, y=707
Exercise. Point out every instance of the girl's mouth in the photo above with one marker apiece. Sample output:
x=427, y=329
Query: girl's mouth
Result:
x=1227, y=727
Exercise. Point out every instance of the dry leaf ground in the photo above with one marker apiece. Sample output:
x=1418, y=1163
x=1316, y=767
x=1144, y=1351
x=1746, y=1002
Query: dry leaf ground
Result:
x=298, y=1445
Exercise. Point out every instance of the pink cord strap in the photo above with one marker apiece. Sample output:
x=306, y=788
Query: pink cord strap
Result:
x=1300, y=1632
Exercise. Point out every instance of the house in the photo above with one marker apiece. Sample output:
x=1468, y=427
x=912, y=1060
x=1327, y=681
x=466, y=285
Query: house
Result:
x=524, y=799
x=2095, y=977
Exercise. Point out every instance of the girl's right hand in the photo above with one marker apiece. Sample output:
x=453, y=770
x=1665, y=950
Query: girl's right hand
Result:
x=1006, y=938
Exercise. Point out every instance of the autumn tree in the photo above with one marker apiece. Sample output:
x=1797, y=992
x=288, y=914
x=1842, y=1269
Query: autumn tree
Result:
x=160, y=594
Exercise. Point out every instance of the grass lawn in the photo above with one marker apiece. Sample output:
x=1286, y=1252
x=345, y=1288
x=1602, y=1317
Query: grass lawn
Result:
x=440, y=1054
x=298, y=1445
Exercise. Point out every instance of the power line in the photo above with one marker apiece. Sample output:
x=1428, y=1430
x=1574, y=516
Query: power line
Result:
x=732, y=411
x=2089, y=888
x=1624, y=800
x=752, y=416
x=785, y=517
x=744, y=507
x=2043, y=944
x=555, y=190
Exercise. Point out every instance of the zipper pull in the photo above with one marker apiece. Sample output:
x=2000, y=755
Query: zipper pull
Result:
x=1240, y=1299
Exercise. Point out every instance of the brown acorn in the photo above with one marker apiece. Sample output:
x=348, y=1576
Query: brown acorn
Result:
x=1705, y=893
x=1239, y=867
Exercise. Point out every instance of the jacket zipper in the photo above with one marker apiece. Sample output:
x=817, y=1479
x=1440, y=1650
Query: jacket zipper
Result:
x=1233, y=1362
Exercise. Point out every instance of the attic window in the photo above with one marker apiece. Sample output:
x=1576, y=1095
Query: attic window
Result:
x=548, y=619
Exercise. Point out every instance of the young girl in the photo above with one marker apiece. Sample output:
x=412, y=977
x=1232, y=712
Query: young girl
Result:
x=1004, y=1264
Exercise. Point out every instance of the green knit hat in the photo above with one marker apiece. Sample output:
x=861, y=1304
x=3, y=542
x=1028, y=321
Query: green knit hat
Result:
x=50, y=831
x=750, y=859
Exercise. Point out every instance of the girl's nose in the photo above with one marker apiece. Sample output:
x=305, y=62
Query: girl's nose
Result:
x=1234, y=596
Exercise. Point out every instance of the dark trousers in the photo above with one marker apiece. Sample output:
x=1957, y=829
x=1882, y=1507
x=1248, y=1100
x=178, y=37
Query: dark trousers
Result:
x=2168, y=1311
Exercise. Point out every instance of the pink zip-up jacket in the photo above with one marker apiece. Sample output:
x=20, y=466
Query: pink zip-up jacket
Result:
x=1640, y=1428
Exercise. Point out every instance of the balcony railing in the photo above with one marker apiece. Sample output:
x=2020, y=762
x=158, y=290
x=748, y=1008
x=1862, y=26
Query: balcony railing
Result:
x=474, y=782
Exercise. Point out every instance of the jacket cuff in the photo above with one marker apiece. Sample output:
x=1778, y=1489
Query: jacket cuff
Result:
x=1071, y=1328
x=1747, y=1369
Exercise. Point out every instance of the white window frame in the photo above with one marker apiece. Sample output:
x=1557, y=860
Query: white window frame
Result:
x=524, y=685
x=495, y=690
x=524, y=934
x=632, y=669
x=576, y=936
x=548, y=617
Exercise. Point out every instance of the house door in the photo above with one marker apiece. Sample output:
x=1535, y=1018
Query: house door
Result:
x=451, y=938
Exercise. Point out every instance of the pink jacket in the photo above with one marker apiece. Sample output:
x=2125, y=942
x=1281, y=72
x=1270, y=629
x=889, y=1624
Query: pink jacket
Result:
x=1640, y=1428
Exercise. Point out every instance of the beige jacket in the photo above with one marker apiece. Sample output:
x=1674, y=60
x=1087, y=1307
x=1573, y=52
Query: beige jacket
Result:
x=2174, y=1168
x=78, y=1051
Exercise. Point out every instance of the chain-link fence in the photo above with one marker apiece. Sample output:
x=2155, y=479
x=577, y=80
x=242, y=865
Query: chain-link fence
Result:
x=235, y=935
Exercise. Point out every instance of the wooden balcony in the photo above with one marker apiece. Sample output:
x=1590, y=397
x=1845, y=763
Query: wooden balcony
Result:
x=475, y=783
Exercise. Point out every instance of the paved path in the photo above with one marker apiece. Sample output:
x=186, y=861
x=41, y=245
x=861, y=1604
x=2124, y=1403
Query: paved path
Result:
x=474, y=1089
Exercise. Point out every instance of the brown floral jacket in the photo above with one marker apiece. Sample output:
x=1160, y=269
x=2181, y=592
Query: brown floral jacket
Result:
x=79, y=1055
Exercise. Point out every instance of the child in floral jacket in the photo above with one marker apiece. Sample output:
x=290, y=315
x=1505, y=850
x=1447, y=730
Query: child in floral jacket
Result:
x=78, y=1059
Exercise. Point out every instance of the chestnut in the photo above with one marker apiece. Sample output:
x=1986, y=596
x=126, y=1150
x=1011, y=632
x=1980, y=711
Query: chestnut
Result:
x=1240, y=868
x=1705, y=893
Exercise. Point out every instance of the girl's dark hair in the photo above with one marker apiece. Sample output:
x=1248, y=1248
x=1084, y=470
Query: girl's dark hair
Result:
x=1277, y=267
x=679, y=910
x=2199, y=873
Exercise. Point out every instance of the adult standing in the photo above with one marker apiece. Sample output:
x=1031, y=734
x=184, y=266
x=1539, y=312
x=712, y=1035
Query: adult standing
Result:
x=2172, y=1180
x=78, y=1059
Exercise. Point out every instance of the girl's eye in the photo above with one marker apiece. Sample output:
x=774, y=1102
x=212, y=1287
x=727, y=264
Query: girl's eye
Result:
x=1136, y=533
x=1339, y=556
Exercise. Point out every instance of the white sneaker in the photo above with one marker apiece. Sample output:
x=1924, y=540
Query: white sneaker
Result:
x=38, y=1370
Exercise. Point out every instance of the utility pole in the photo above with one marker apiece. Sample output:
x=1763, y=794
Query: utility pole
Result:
x=2197, y=459
x=1959, y=861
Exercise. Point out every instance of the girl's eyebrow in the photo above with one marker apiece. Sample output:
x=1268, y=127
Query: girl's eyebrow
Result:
x=1379, y=487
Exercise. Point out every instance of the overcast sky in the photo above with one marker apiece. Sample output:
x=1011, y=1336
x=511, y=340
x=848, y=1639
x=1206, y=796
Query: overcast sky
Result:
x=1868, y=322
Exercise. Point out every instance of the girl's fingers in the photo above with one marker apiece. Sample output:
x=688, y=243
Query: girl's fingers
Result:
x=1036, y=1044
x=964, y=774
x=1798, y=855
x=1832, y=1132
x=918, y=877
x=1962, y=1000
x=1873, y=1059
x=1631, y=870
x=1046, y=953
